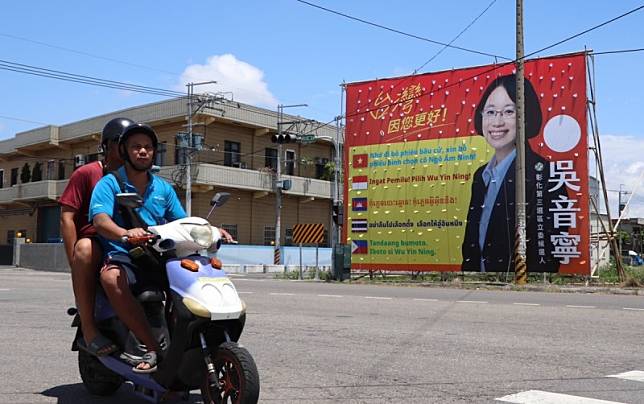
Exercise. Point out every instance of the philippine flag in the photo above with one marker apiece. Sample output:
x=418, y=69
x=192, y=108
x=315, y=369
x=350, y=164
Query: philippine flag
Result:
x=359, y=204
x=359, y=225
x=360, y=160
x=359, y=246
x=359, y=182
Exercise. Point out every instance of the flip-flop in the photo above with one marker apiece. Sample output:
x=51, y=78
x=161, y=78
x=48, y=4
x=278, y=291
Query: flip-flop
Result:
x=99, y=346
x=150, y=358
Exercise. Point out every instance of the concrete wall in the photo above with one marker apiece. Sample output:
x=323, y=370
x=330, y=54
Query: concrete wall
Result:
x=51, y=256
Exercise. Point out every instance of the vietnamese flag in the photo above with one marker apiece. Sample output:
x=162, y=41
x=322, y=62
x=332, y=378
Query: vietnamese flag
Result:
x=360, y=160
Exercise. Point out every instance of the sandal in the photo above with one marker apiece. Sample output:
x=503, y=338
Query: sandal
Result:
x=99, y=346
x=150, y=358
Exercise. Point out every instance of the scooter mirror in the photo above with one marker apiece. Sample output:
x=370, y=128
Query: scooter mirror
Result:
x=219, y=199
x=129, y=200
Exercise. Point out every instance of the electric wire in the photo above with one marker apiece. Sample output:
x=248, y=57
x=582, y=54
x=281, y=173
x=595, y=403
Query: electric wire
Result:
x=83, y=53
x=398, y=31
x=455, y=38
x=500, y=65
x=613, y=52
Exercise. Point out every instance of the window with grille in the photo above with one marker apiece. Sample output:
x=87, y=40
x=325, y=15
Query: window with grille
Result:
x=232, y=153
x=159, y=156
x=270, y=158
x=289, y=162
x=269, y=235
x=231, y=229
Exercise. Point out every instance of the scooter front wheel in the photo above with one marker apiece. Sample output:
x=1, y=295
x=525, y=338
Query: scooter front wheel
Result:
x=237, y=377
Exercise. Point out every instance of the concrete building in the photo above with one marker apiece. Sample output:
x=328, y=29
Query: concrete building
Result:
x=237, y=157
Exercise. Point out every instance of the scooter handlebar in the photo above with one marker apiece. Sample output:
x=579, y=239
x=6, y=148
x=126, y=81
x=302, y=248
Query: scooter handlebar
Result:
x=139, y=240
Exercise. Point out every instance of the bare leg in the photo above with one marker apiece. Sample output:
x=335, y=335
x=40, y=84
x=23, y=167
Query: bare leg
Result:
x=85, y=266
x=114, y=281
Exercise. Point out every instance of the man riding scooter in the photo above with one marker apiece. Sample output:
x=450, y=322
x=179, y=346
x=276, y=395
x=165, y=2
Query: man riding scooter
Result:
x=137, y=147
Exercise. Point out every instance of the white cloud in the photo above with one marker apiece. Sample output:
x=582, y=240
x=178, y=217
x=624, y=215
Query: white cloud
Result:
x=244, y=80
x=623, y=158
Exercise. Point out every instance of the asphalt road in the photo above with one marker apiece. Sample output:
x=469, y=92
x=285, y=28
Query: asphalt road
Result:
x=326, y=343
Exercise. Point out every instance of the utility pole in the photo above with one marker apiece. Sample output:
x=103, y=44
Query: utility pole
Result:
x=520, y=267
x=188, y=155
x=278, y=180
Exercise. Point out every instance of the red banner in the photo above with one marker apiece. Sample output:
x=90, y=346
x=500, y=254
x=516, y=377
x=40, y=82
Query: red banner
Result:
x=434, y=156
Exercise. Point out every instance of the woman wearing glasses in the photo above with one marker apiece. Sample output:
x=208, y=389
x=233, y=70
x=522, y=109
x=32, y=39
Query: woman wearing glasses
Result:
x=488, y=243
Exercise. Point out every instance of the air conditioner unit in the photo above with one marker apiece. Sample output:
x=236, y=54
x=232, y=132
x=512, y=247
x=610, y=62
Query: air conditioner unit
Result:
x=79, y=160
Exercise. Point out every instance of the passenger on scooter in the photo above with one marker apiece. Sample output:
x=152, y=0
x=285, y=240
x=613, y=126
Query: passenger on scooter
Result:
x=83, y=250
x=137, y=145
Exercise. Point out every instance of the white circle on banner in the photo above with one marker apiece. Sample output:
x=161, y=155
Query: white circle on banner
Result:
x=562, y=133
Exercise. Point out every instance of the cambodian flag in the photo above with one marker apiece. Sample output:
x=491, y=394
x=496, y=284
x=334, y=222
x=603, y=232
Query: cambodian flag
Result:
x=359, y=204
x=359, y=246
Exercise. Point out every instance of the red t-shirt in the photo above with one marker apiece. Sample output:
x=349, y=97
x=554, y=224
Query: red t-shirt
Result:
x=78, y=193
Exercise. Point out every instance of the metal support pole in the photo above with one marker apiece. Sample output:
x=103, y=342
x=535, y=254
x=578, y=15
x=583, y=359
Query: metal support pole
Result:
x=317, y=262
x=520, y=267
x=188, y=155
x=278, y=190
x=301, y=277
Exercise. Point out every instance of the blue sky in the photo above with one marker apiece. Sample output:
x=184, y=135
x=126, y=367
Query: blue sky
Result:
x=283, y=51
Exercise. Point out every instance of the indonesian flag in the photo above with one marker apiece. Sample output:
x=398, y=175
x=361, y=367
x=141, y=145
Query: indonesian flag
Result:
x=360, y=160
x=359, y=182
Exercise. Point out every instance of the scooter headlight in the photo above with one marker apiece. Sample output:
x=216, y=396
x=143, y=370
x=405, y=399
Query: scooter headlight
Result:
x=202, y=235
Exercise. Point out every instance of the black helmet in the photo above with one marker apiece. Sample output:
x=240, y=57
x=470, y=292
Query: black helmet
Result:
x=112, y=131
x=132, y=129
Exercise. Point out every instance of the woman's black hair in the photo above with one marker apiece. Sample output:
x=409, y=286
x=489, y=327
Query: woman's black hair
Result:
x=533, y=116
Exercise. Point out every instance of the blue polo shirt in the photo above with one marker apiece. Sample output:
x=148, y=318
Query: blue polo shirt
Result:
x=160, y=204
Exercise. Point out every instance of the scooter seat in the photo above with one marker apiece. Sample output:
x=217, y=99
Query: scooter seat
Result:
x=151, y=295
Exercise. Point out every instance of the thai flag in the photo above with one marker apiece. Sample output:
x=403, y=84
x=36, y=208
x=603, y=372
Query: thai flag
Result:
x=359, y=246
x=359, y=182
x=359, y=226
x=359, y=204
x=360, y=160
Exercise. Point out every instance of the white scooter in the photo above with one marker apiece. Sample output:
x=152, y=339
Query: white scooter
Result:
x=194, y=311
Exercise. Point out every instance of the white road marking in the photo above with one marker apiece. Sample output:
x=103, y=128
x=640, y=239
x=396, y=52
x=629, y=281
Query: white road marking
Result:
x=330, y=296
x=572, y=306
x=4, y=290
x=282, y=294
x=248, y=279
x=633, y=308
x=377, y=298
x=635, y=375
x=245, y=293
x=527, y=304
x=471, y=301
x=425, y=300
x=544, y=397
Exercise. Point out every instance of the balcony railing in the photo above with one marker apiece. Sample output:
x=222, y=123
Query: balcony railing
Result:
x=31, y=191
x=203, y=174
x=252, y=180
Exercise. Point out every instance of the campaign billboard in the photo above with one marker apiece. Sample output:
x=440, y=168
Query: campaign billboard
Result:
x=431, y=174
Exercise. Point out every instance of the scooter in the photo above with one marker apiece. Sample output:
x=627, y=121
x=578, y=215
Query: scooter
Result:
x=195, y=313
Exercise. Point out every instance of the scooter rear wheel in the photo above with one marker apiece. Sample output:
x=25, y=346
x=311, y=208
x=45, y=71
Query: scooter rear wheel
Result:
x=237, y=377
x=97, y=379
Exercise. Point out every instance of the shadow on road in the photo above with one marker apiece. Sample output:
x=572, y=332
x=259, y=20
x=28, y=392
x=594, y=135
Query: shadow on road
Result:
x=77, y=394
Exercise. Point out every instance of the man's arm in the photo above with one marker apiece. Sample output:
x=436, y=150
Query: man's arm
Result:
x=68, y=231
x=107, y=228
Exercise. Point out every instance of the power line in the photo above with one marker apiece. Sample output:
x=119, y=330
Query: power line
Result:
x=612, y=52
x=373, y=24
x=86, y=53
x=495, y=67
x=586, y=31
x=456, y=37
x=21, y=120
